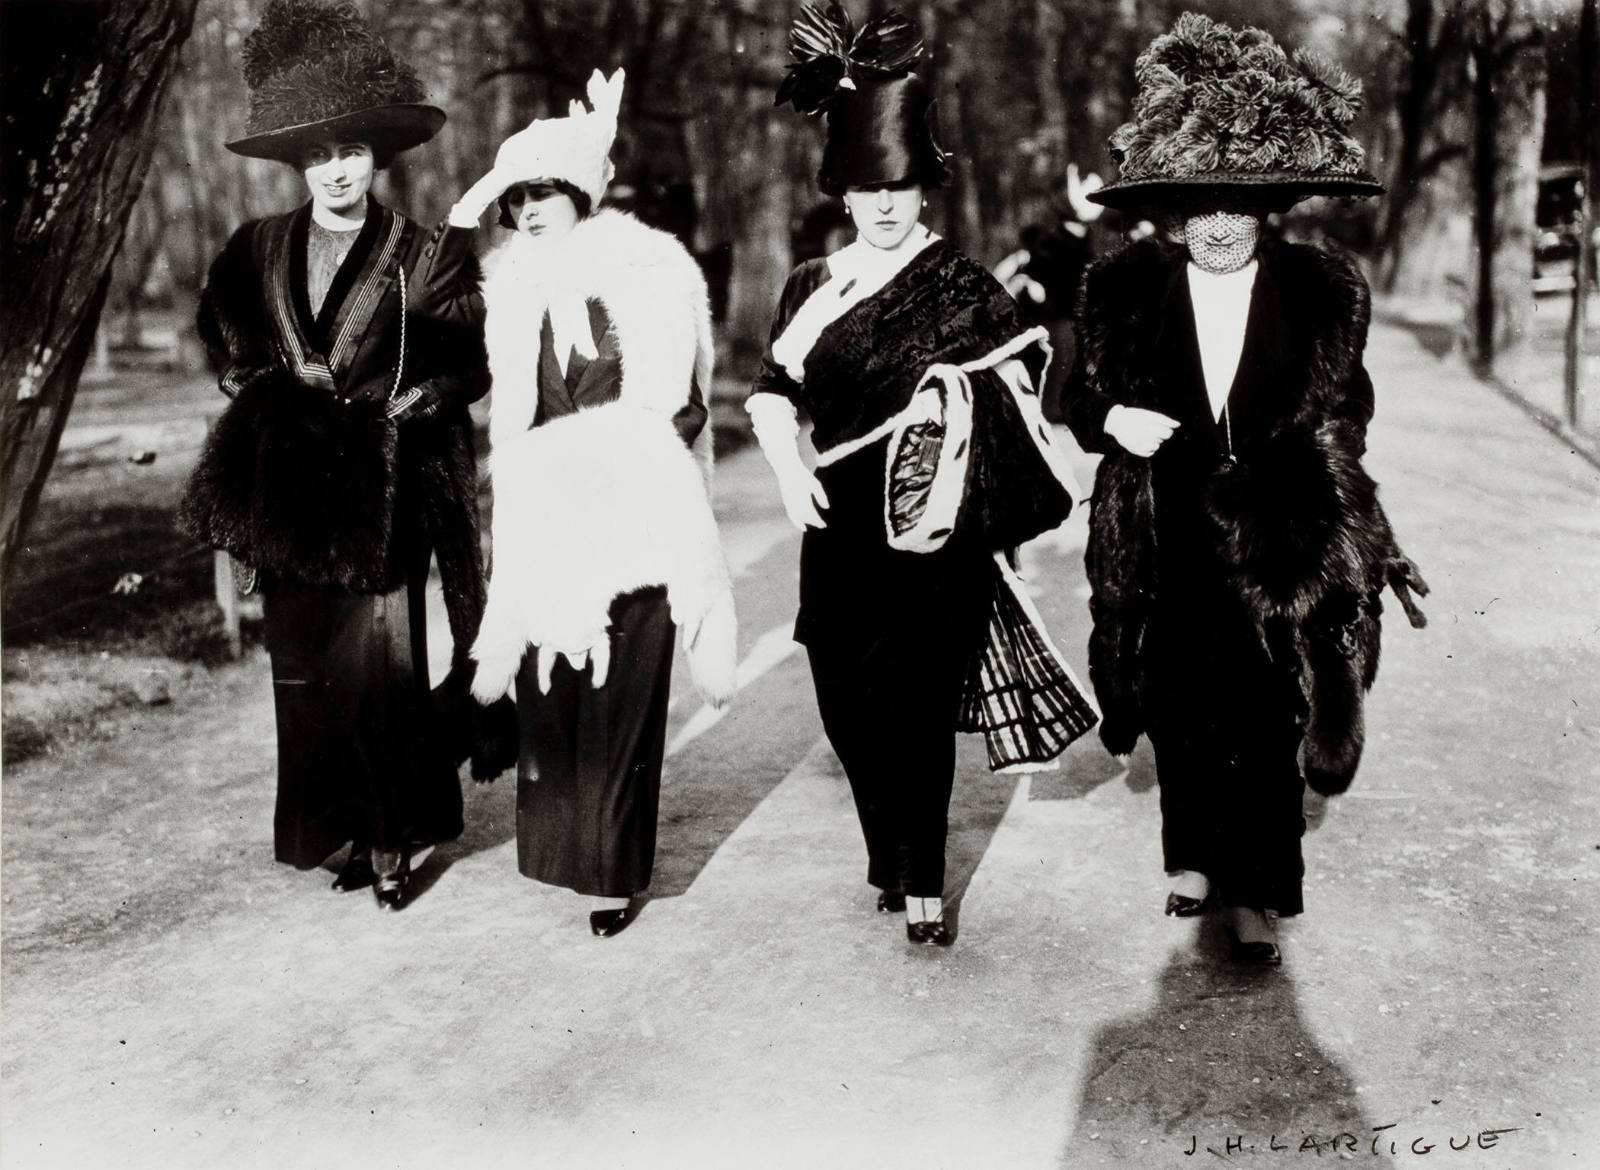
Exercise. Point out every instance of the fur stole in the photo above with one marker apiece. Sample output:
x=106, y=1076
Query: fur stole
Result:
x=651, y=288
x=607, y=500
x=590, y=506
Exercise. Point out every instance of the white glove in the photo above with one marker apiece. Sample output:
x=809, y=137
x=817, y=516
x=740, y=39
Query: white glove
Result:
x=803, y=497
x=475, y=201
x=772, y=417
x=599, y=653
x=1140, y=432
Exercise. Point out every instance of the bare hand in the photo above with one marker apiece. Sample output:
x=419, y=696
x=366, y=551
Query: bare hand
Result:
x=1140, y=432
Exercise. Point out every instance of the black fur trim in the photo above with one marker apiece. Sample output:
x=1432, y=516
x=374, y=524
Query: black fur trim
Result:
x=488, y=736
x=294, y=482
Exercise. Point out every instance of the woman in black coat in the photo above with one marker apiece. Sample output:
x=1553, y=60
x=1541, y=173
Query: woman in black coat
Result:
x=898, y=601
x=350, y=342
x=1236, y=547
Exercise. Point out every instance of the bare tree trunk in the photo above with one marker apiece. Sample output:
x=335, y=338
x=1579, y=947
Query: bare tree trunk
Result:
x=1508, y=79
x=74, y=160
x=1429, y=65
x=1583, y=271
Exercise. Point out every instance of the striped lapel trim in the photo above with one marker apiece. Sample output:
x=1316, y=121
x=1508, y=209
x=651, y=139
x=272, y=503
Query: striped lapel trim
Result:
x=359, y=309
x=306, y=366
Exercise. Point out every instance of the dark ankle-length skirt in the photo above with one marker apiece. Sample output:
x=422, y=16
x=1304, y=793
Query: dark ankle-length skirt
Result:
x=589, y=777
x=1226, y=729
x=356, y=757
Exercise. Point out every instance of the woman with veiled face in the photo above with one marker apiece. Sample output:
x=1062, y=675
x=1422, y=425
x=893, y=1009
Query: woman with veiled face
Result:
x=1236, y=546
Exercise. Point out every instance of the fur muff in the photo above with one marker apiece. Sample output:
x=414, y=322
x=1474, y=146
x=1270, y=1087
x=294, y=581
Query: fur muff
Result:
x=294, y=482
x=590, y=506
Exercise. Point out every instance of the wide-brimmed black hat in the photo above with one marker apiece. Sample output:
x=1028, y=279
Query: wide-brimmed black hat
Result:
x=1228, y=117
x=880, y=114
x=318, y=72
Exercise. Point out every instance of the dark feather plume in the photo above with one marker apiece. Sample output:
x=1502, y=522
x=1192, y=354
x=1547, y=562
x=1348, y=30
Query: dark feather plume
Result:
x=829, y=52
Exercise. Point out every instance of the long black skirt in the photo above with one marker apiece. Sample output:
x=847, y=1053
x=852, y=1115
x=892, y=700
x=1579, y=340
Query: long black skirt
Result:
x=589, y=776
x=357, y=760
x=1226, y=725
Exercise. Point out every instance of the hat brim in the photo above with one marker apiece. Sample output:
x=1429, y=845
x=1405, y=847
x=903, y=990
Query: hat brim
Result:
x=387, y=129
x=1271, y=186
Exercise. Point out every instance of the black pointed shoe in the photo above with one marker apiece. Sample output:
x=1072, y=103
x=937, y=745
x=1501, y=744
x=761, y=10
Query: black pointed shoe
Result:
x=891, y=901
x=1183, y=906
x=392, y=881
x=1258, y=953
x=357, y=872
x=929, y=934
x=605, y=923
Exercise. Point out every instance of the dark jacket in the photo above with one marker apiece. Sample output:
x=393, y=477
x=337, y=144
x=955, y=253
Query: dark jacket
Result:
x=346, y=455
x=1291, y=522
x=338, y=462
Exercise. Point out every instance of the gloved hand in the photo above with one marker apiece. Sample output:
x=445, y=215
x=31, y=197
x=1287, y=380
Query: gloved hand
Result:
x=475, y=201
x=803, y=496
x=1139, y=432
x=773, y=419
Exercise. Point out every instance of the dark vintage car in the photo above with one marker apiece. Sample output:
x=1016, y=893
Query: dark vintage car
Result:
x=1555, y=243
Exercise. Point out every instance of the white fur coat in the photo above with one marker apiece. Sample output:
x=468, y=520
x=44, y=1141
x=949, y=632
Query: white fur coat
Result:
x=607, y=500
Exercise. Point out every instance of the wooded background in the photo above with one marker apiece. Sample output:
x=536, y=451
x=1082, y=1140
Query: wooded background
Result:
x=115, y=197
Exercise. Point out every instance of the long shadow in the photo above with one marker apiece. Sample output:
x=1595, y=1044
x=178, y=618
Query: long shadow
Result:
x=718, y=780
x=1222, y=1065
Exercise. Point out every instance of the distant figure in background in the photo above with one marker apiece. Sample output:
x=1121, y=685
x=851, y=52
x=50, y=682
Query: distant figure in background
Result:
x=1237, y=548
x=1043, y=275
x=350, y=342
x=934, y=461
x=603, y=540
x=824, y=229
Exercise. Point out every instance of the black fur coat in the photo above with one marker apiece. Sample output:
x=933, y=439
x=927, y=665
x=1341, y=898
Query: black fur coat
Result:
x=347, y=450
x=1292, y=516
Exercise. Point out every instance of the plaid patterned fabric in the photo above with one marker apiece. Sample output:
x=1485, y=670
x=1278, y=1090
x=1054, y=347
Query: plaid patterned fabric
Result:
x=1021, y=693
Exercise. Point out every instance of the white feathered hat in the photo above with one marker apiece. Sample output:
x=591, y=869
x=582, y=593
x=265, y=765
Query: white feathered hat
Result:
x=575, y=149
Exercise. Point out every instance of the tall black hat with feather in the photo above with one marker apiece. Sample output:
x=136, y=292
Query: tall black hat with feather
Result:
x=316, y=72
x=879, y=112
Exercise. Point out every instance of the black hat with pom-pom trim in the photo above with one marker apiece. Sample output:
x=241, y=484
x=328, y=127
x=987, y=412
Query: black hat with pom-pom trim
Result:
x=880, y=113
x=1229, y=118
x=317, y=73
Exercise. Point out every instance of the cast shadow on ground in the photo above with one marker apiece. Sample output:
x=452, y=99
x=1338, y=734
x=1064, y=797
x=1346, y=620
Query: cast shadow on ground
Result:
x=1221, y=1063
x=1086, y=765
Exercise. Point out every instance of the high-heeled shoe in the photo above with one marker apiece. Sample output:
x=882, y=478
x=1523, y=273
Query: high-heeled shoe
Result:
x=929, y=934
x=891, y=901
x=357, y=872
x=605, y=923
x=392, y=883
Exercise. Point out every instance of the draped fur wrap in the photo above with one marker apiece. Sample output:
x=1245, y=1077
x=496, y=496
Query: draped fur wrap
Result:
x=1306, y=542
x=606, y=500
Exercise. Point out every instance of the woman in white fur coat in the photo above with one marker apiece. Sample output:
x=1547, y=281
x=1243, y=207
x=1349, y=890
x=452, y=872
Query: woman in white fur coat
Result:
x=603, y=539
